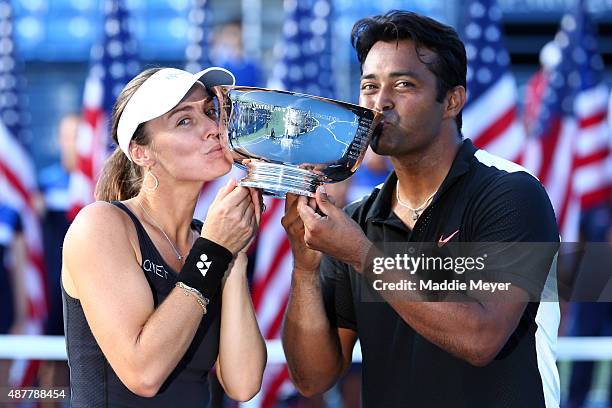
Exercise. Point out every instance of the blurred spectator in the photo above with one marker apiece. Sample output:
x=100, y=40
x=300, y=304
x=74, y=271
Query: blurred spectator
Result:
x=227, y=51
x=590, y=318
x=53, y=207
x=53, y=183
x=13, y=298
x=550, y=56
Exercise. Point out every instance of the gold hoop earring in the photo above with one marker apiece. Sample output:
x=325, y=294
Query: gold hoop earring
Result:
x=144, y=182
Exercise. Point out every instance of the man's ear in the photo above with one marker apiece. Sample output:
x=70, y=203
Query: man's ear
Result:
x=454, y=101
x=141, y=155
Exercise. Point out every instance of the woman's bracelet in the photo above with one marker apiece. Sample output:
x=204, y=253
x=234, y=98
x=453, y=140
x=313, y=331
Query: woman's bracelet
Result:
x=188, y=290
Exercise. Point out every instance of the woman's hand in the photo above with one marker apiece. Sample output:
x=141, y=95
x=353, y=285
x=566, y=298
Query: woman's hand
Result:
x=233, y=217
x=257, y=199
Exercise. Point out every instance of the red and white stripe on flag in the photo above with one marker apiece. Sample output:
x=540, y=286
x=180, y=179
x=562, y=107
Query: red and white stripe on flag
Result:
x=17, y=182
x=490, y=116
x=569, y=147
x=551, y=160
x=113, y=63
x=92, y=142
x=491, y=121
x=270, y=290
x=593, y=174
x=573, y=160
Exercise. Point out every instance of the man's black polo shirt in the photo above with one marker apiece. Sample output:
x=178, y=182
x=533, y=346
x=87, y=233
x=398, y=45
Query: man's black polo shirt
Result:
x=487, y=199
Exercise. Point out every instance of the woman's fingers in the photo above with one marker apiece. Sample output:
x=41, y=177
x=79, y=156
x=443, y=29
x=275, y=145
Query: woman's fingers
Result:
x=249, y=210
x=257, y=199
x=242, y=207
x=224, y=191
x=236, y=196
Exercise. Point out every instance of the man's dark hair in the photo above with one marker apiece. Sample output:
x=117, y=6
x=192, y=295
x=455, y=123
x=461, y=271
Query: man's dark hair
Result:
x=450, y=64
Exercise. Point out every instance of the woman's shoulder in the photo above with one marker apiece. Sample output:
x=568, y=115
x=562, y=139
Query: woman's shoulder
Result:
x=100, y=215
x=101, y=238
x=98, y=221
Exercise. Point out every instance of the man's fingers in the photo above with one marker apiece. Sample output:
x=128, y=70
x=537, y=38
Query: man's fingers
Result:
x=291, y=201
x=312, y=203
x=302, y=200
x=323, y=202
x=307, y=214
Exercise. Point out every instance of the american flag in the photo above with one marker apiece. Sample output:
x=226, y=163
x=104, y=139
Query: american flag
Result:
x=569, y=147
x=113, y=63
x=490, y=116
x=17, y=183
x=304, y=65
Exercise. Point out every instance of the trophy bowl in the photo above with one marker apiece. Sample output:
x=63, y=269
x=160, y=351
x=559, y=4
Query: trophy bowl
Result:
x=291, y=143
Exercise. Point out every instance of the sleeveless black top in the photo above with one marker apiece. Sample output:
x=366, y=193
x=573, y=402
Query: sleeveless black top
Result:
x=93, y=383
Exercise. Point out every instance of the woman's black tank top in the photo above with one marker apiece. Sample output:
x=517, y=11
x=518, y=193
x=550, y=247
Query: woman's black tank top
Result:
x=93, y=383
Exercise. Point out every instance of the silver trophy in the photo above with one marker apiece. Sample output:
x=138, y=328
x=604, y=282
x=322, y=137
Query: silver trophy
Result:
x=290, y=142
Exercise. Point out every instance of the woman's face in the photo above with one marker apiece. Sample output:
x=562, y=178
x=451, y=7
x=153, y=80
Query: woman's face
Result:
x=185, y=141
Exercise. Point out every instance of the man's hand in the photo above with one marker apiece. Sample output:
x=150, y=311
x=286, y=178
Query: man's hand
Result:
x=304, y=259
x=334, y=232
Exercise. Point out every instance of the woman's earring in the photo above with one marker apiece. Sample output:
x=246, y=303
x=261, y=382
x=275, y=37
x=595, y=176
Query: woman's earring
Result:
x=144, y=182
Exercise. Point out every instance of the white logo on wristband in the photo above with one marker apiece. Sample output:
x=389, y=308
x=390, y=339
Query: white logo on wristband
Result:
x=203, y=264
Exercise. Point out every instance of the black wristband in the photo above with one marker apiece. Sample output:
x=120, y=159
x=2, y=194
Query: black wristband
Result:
x=205, y=266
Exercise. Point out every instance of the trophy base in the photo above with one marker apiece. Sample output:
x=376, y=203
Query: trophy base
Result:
x=277, y=180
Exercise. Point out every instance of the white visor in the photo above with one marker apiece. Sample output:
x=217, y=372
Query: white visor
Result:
x=161, y=92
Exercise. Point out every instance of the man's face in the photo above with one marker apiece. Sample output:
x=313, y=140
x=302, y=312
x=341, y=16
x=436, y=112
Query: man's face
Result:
x=397, y=83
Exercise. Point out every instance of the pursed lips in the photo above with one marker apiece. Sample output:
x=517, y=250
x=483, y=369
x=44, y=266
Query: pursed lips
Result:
x=387, y=121
x=216, y=148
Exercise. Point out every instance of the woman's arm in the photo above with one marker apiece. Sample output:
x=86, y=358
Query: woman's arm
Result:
x=141, y=343
x=242, y=350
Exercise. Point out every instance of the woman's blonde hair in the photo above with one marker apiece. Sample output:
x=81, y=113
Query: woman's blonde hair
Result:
x=121, y=179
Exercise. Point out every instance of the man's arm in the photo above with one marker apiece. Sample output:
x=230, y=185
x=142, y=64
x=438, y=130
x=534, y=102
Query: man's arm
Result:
x=474, y=331
x=317, y=352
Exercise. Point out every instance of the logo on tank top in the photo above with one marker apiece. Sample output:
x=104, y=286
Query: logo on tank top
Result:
x=159, y=270
x=203, y=264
